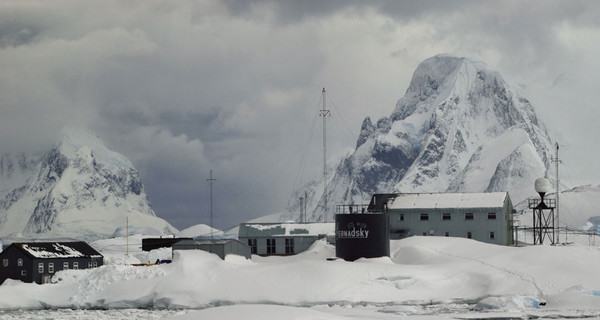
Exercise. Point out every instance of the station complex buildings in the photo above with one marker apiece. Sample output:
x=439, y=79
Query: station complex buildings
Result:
x=485, y=217
x=359, y=230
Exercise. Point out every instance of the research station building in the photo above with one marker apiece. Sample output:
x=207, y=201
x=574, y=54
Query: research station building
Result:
x=39, y=261
x=220, y=247
x=485, y=217
x=283, y=238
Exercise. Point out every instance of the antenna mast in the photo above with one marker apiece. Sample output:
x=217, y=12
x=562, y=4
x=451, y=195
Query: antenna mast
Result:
x=305, y=200
x=211, y=180
x=324, y=113
x=556, y=162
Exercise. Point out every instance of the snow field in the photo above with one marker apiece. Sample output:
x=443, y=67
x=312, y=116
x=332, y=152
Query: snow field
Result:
x=424, y=276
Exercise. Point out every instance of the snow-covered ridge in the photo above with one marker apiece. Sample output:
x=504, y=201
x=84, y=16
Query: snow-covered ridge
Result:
x=78, y=140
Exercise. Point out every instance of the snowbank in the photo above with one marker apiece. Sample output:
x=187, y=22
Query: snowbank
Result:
x=422, y=274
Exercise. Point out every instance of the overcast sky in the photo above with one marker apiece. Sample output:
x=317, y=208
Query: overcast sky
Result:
x=183, y=87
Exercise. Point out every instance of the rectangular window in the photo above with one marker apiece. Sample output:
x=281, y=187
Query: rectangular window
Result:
x=95, y=264
x=20, y=262
x=424, y=216
x=491, y=216
x=51, y=267
x=424, y=233
x=23, y=272
x=289, y=246
x=65, y=265
x=447, y=234
x=75, y=265
x=446, y=216
x=402, y=217
x=41, y=267
x=468, y=215
x=492, y=236
x=89, y=265
x=270, y=246
x=469, y=235
x=253, y=246
x=5, y=262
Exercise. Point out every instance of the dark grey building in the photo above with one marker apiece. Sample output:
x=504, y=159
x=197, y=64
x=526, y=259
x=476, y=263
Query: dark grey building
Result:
x=39, y=261
x=486, y=217
x=283, y=238
x=220, y=247
x=157, y=243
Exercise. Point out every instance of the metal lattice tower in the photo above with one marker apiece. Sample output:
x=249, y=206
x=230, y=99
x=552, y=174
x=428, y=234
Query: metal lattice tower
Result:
x=544, y=221
x=324, y=113
x=210, y=181
x=556, y=163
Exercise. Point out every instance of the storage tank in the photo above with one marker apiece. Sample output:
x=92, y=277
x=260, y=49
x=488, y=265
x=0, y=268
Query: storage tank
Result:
x=362, y=236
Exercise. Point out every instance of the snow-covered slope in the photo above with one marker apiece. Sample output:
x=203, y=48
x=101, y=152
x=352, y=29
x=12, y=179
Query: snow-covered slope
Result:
x=448, y=278
x=14, y=171
x=459, y=128
x=199, y=230
x=78, y=189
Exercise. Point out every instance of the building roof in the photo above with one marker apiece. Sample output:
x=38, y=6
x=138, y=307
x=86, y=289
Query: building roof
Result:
x=54, y=250
x=378, y=200
x=448, y=200
x=207, y=241
x=285, y=229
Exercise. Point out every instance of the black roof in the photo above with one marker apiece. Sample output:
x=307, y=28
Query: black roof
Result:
x=56, y=249
x=378, y=200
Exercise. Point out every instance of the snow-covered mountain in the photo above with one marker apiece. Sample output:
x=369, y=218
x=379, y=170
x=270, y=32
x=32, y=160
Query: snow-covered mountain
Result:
x=460, y=127
x=78, y=189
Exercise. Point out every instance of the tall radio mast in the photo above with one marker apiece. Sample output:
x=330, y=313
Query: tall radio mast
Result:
x=324, y=113
x=556, y=162
x=211, y=180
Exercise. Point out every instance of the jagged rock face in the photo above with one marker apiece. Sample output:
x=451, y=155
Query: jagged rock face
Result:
x=459, y=127
x=78, y=189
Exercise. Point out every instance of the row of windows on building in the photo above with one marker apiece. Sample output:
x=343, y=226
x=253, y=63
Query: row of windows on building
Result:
x=448, y=216
x=41, y=265
x=272, y=245
x=469, y=234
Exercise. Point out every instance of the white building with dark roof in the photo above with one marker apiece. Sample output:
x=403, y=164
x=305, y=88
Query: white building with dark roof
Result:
x=39, y=261
x=486, y=217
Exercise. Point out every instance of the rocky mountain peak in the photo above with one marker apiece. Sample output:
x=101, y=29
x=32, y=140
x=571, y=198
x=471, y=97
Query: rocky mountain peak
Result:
x=79, y=189
x=460, y=127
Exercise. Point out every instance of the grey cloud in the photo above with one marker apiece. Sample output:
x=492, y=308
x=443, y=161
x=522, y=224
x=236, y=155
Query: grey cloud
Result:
x=184, y=87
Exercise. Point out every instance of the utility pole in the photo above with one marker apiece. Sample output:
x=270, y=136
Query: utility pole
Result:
x=127, y=235
x=301, y=207
x=305, y=200
x=211, y=180
x=324, y=113
x=556, y=162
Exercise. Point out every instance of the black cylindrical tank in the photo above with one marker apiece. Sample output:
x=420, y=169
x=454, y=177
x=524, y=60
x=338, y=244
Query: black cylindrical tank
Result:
x=362, y=236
